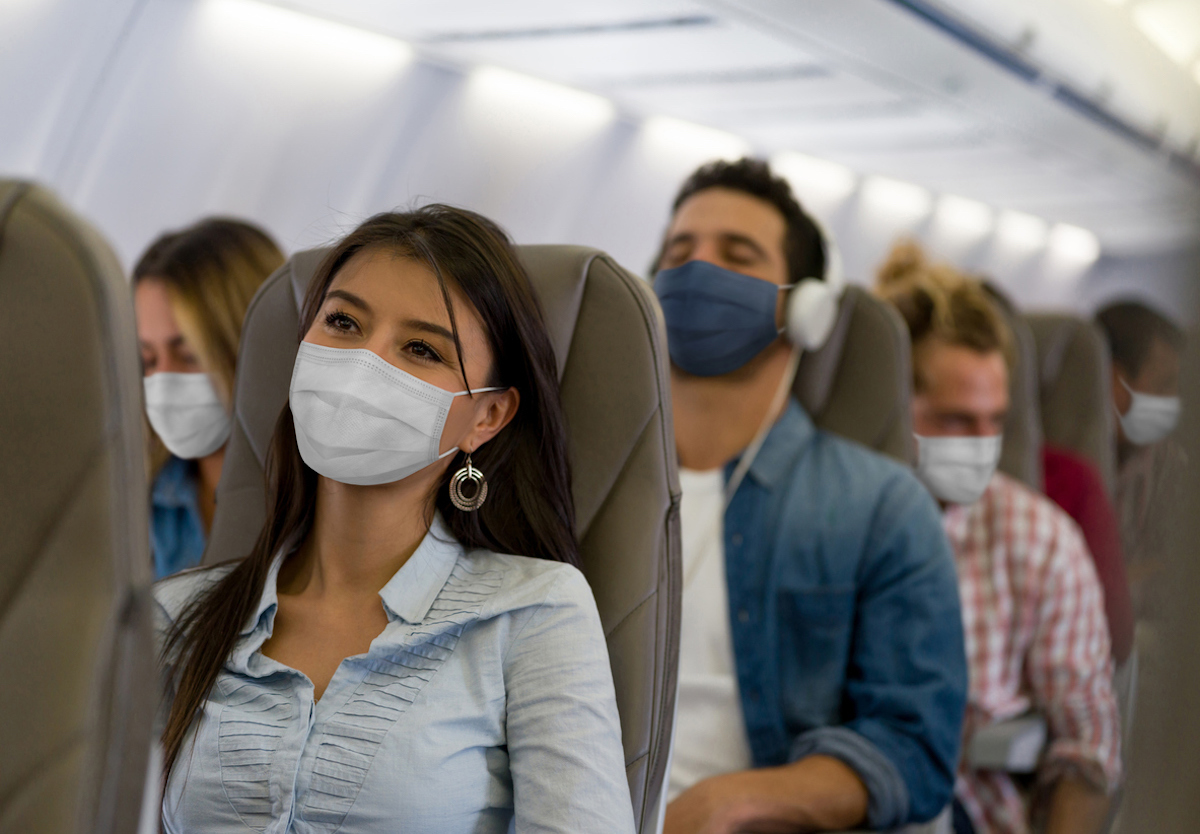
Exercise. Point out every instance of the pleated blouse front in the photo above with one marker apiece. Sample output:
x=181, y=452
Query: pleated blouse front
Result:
x=485, y=705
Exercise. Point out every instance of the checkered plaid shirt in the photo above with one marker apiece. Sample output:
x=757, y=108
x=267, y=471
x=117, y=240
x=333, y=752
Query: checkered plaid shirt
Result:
x=1033, y=617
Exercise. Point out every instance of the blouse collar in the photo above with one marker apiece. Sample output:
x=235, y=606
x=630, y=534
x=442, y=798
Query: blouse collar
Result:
x=407, y=596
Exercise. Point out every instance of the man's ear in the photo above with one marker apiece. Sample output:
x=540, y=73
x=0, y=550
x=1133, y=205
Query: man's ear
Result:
x=498, y=412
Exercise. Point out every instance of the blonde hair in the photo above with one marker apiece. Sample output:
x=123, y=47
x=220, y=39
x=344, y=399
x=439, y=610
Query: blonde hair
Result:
x=940, y=303
x=210, y=270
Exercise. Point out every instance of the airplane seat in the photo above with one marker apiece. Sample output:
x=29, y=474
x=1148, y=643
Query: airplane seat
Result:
x=76, y=643
x=610, y=343
x=1075, y=388
x=858, y=385
x=1021, y=454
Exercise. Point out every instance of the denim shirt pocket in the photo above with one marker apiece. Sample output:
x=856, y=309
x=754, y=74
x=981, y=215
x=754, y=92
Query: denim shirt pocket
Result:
x=816, y=628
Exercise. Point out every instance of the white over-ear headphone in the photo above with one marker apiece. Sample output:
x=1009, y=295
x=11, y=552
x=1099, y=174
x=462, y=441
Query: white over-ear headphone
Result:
x=812, y=307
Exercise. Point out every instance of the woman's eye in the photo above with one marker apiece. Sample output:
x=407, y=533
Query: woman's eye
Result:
x=337, y=320
x=423, y=350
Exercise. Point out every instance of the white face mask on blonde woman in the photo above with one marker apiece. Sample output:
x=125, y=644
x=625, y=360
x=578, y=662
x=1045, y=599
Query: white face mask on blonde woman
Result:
x=186, y=413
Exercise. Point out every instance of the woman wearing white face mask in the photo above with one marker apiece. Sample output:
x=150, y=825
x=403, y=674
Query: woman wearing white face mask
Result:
x=379, y=661
x=191, y=290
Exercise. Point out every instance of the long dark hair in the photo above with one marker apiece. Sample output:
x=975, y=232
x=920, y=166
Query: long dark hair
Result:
x=529, y=510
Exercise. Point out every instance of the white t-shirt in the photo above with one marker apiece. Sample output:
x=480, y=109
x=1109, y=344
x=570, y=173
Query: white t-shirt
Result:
x=710, y=733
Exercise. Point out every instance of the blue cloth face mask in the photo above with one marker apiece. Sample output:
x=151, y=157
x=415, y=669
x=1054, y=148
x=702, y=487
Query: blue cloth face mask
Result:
x=717, y=319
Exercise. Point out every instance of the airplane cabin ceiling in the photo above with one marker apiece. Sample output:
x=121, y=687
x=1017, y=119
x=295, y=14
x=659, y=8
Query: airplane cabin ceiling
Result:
x=878, y=87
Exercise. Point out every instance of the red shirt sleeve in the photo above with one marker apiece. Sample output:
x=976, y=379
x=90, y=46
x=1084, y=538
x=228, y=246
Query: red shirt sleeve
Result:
x=1075, y=485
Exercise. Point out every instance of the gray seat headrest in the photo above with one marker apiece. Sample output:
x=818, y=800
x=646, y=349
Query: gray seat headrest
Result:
x=1021, y=457
x=859, y=385
x=1075, y=388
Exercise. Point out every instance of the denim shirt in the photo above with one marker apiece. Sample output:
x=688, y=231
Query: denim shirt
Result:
x=844, y=608
x=176, y=528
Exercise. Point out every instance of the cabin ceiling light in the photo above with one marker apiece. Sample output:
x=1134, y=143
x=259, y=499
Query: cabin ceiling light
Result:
x=1073, y=244
x=264, y=34
x=815, y=179
x=964, y=218
x=1020, y=231
x=523, y=94
x=688, y=138
x=1171, y=25
x=901, y=201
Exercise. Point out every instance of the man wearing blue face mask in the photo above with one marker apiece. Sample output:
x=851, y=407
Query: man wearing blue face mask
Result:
x=1146, y=350
x=822, y=676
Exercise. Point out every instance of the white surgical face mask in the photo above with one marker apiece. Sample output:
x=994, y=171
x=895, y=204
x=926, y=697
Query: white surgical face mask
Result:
x=1149, y=418
x=186, y=413
x=957, y=469
x=361, y=420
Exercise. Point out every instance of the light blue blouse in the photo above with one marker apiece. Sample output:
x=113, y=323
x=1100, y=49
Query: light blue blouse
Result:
x=485, y=705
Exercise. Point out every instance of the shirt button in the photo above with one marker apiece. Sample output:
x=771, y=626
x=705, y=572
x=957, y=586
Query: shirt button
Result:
x=754, y=696
x=743, y=616
x=736, y=538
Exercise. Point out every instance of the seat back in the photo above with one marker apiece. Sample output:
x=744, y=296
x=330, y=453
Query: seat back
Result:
x=609, y=339
x=859, y=385
x=77, y=705
x=1021, y=456
x=1075, y=385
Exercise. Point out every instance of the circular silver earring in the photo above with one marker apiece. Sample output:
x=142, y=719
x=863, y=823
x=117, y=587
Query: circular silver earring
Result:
x=468, y=473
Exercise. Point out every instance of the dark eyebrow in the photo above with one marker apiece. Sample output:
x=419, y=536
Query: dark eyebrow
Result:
x=429, y=327
x=350, y=297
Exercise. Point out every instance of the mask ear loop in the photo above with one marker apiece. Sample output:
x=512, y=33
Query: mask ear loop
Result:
x=748, y=456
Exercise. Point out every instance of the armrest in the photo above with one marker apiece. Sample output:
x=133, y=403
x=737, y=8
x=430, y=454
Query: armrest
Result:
x=1014, y=746
x=941, y=824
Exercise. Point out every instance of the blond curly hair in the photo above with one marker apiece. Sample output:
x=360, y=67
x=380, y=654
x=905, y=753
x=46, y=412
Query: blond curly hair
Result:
x=940, y=303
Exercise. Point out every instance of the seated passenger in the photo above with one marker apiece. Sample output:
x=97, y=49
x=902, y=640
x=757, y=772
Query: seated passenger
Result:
x=1072, y=482
x=822, y=674
x=1146, y=350
x=1032, y=605
x=381, y=660
x=191, y=290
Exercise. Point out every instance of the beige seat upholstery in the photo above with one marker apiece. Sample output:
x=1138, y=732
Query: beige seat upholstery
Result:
x=611, y=348
x=80, y=688
x=1075, y=384
x=1021, y=457
x=859, y=385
